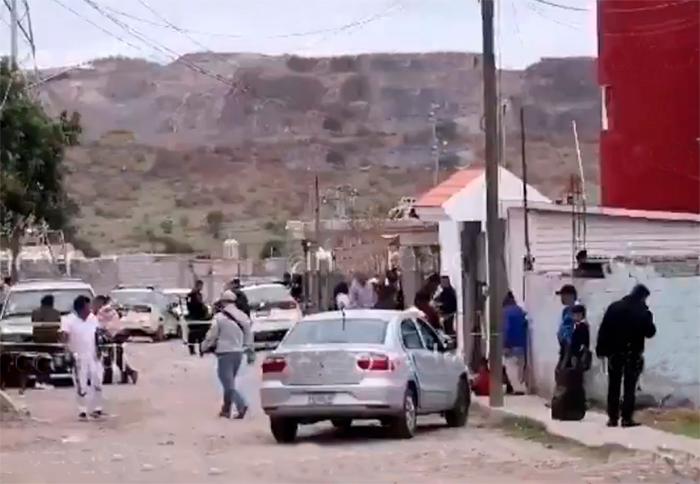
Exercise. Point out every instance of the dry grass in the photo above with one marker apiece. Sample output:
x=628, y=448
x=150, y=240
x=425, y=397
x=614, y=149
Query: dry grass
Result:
x=678, y=421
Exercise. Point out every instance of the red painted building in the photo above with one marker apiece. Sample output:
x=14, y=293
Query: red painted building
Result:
x=649, y=72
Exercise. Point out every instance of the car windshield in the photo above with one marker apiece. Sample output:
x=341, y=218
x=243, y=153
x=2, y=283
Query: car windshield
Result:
x=133, y=298
x=267, y=294
x=22, y=303
x=328, y=331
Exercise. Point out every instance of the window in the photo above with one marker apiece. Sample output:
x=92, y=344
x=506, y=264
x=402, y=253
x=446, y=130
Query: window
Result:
x=337, y=331
x=409, y=336
x=429, y=337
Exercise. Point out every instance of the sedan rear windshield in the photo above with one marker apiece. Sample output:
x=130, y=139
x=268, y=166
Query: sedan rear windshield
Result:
x=329, y=331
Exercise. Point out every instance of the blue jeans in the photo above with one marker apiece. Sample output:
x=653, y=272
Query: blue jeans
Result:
x=227, y=369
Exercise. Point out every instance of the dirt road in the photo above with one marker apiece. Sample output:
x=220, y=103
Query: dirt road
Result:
x=165, y=429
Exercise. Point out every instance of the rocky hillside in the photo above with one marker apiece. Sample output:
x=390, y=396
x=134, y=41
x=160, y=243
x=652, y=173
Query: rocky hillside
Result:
x=196, y=141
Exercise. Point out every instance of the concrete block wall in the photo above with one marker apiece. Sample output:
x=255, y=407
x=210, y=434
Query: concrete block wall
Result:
x=672, y=358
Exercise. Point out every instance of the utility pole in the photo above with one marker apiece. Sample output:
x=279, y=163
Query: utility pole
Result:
x=493, y=228
x=14, y=22
x=317, y=245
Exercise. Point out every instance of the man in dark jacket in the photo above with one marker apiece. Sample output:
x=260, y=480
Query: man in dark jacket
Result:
x=447, y=304
x=241, y=298
x=625, y=326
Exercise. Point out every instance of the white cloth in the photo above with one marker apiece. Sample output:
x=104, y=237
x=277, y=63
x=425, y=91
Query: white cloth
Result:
x=81, y=335
x=87, y=377
x=342, y=301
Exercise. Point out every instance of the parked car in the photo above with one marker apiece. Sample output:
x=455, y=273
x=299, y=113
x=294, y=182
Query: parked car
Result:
x=35, y=347
x=363, y=364
x=273, y=312
x=145, y=312
x=192, y=330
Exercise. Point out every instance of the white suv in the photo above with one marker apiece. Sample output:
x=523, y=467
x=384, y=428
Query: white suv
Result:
x=145, y=311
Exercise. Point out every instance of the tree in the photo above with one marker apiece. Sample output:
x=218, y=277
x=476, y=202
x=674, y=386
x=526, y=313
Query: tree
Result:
x=215, y=220
x=31, y=163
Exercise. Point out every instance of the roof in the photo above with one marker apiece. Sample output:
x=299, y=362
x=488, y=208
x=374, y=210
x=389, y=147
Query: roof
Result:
x=50, y=284
x=383, y=314
x=462, y=197
x=441, y=193
x=610, y=211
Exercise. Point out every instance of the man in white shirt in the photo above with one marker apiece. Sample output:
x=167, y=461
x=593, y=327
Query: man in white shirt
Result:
x=79, y=328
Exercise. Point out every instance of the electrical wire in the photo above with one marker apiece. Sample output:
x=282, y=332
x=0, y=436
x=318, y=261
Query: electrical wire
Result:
x=173, y=26
x=536, y=9
x=307, y=33
x=160, y=47
x=561, y=6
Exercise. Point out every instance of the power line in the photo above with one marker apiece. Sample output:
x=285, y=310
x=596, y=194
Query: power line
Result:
x=173, y=26
x=561, y=6
x=536, y=9
x=146, y=40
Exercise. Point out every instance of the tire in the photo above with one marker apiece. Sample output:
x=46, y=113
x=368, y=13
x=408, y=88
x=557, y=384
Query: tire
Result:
x=284, y=430
x=458, y=414
x=342, y=423
x=403, y=426
x=159, y=334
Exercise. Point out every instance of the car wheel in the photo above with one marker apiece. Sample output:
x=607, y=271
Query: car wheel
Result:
x=457, y=415
x=159, y=334
x=403, y=426
x=284, y=429
x=342, y=423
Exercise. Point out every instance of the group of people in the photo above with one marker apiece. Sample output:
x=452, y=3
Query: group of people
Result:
x=90, y=331
x=437, y=298
x=625, y=326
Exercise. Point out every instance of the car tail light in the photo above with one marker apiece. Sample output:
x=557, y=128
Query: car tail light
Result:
x=274, y=364
x=375, y=362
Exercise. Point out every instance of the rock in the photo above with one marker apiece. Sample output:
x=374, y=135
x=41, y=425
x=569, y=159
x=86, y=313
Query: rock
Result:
x=215, y=471
x=117, y=458
x=646, y=400
x=147, y=467
x=676, y=401
x=166, y=442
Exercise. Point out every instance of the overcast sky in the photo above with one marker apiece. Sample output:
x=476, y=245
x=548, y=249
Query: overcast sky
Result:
x=527, y=30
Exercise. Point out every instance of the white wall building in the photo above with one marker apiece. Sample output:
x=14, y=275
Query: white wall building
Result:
x=659, y=249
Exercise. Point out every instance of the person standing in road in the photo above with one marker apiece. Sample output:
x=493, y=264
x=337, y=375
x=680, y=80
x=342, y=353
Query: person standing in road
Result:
x=110, y=321
x=241, y=298
x=362, y=294
x=196, y=309
x=231, y=338
x=514, y=343
x=569, y=296
x=626, y=324
x=80, y=332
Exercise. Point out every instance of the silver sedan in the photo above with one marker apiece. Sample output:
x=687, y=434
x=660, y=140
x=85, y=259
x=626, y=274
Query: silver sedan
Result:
x=363, y=364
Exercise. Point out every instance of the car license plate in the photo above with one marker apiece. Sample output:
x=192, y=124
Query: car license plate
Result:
x=321, y=398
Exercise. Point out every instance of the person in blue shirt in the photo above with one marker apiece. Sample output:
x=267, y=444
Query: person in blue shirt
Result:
x=569, y=296
x=515, y=327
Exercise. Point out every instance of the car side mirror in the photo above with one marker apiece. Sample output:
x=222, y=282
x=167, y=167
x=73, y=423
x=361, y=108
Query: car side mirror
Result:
x=451, y=344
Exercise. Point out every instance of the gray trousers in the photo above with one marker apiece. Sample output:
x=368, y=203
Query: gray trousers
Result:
x=227, y=369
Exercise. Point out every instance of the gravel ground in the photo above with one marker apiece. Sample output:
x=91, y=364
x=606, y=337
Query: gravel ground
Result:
x=165, y=429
